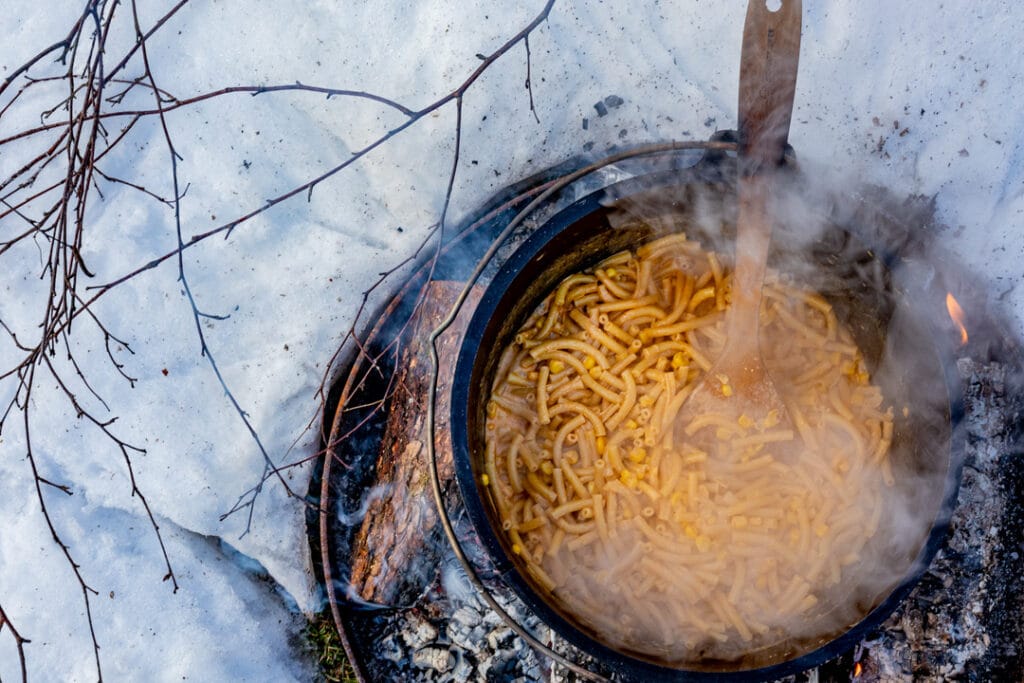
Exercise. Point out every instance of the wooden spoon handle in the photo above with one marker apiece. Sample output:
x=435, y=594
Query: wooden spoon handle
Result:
x=753, y=237
x=768, y=68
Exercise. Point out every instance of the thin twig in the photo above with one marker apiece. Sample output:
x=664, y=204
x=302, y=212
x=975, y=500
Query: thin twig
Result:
x=19, y=643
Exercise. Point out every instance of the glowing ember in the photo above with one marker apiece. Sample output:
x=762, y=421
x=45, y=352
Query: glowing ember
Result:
x=957, y=314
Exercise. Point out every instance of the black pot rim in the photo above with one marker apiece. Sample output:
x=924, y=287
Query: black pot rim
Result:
x=622, y=663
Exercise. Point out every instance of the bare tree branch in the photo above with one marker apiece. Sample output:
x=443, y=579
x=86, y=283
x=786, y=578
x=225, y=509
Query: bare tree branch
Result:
x=48, y=196
x=19, y=642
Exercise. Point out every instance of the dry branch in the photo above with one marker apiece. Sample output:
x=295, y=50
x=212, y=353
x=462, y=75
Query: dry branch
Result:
x=49, y=195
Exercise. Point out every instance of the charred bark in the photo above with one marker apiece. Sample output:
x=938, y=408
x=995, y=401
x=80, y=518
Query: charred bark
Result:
x=394, y=552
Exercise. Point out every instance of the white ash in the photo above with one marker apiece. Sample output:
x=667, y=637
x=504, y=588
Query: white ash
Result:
x=463, y=668
x=454, y=637
x=437, y=658
x=423, y=633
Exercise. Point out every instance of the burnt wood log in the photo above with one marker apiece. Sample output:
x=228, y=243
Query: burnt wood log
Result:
x=394, y=555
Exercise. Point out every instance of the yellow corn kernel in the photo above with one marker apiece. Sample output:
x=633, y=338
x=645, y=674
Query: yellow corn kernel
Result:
x=485, y=480
x=703, y=543
x=675, y=498
x=611, y=272
x=492, y=409
x=628, y=478
x=690, y=530
x=546, y=467
x=722, y=434
x=602, y=443
x=638, y=455
x=678, y=360
x=589, y=362
x=745, y=421
x=771, y=419
x=646, y=401
x=517, y=549
x=726, y=390
x=631, y=424
x=595, y=371
x=820, y=530
x=556, y=366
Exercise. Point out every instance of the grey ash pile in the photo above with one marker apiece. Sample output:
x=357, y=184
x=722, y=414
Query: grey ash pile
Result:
x=468, y=643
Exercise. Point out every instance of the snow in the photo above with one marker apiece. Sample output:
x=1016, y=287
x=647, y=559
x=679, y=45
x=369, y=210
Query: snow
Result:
x=292, y=278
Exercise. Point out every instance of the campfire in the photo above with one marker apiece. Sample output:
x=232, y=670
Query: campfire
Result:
x=406, y=608
x=425, y=537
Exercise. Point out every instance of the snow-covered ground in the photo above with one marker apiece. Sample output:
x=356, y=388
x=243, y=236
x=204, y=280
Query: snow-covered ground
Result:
x=918, y=96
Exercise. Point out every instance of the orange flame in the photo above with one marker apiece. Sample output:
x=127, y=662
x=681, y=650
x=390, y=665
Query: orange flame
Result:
x=957, y=314
x=857, y=670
